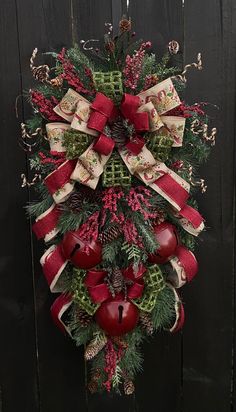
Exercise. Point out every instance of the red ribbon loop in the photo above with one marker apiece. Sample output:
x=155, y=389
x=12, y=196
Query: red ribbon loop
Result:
x=45, y=224
x=129, y=107
x=102, y=109
x=104, y=144
x=58, y=308
x=59, y=177
x=188, y=261
x=192, y=215
x=99, y=290
x=135, y=145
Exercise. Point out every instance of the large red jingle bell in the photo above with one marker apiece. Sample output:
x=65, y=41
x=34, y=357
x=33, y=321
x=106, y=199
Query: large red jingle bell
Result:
x=82, y=254
x=167, y=239
x=117, y=316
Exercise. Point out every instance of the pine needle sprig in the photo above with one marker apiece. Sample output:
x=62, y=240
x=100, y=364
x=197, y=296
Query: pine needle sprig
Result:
x=164, y=310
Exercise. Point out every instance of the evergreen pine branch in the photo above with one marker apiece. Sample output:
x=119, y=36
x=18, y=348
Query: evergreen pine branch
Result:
x=145, y=231
x=111, y=252
x=48, y=91
x=35, y=209
x=164, y=310
x=70, y=221
x=82, y=335
x=117, y=377
x=34, y=123
x=79, y=59
x=148, y=68
x=162, y=69
x=132, y=251
x=132, y=359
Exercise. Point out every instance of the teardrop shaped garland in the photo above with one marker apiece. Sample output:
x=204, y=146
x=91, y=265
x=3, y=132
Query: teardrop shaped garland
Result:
x=114, y=149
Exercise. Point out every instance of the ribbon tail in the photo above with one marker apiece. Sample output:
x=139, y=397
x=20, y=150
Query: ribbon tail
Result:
x=184, y=265
x=58, y=308
x=191, y=220
x=53, y=263
x=45, y=225
x=179, y=312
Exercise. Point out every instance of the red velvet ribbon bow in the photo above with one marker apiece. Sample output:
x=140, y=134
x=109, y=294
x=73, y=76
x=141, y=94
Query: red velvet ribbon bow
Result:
x=129, y=109
x=99, y=290
x=102, y=110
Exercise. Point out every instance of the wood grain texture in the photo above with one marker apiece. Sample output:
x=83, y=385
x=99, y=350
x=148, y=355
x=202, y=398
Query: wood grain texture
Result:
x=18, y=371
x=207, y=336
x=60, y=363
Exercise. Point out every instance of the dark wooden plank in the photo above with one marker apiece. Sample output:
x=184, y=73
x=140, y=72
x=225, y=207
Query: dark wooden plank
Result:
x=18, y=372
x=61, y=364
x=210, y=28
x=159, y=386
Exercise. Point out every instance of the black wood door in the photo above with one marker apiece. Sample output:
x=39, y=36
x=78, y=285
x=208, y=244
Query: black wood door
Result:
x=41, y=370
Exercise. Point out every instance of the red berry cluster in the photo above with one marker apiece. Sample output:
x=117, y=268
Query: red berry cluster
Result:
x=71, y=76
x=57, y=160
x=187, y=111
x=133, y=66
x=89, y=229
x=110, y=200
x=111, y=359
x=138, y=201
x=45, y=106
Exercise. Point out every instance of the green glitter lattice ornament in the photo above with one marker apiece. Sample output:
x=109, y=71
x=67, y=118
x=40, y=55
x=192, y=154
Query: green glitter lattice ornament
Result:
x=154, y=283
x=75, y=143
x=116, y=173
x=110, y=84
x=160, y=143
x=81, y=295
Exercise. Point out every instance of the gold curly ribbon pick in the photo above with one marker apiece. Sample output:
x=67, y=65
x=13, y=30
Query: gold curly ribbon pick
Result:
x=197, y=65
x=197, y=128
x=197, y=183
x=25, y=182
x=26, y=135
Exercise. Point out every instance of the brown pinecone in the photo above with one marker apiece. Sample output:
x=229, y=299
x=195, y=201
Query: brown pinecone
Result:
x=74, y=201
x=83, y=317
x=94, y=347
x=110, y=234
x=92, y=386
x=160, y=217
x=56, y=82
x=41, y=73
x=129, y=387
x=117, y=280
x=125, y=25
x=85, y=193
x=146, y=322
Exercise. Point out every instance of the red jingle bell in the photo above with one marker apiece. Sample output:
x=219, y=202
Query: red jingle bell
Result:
x=167, y=239
x=117, y=316
x=82, y=254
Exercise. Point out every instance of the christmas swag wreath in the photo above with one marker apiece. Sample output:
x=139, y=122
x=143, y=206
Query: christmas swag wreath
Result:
x=115, y=151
